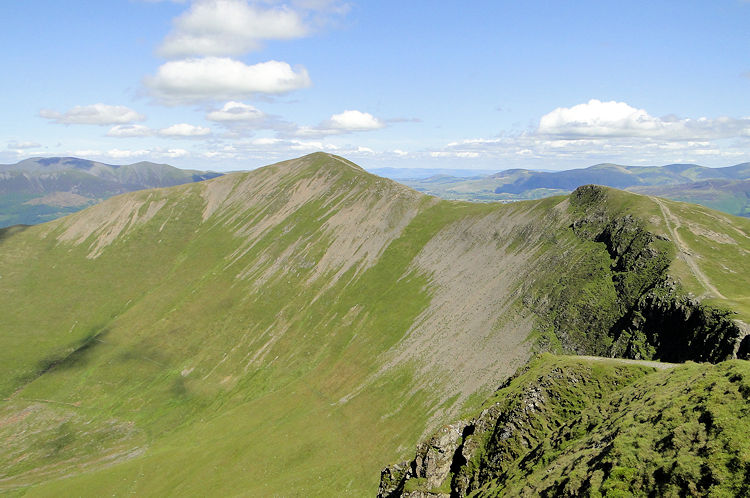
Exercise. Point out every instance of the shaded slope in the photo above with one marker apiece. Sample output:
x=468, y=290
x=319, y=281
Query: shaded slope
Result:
x=287, y=330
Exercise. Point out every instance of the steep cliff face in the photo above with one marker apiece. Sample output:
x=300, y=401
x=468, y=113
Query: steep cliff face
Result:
x=626, y=302
x=570, y=427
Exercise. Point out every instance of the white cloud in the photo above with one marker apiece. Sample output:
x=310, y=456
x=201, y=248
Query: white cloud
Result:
x=234, y=112
x=596, y=132
x=265, y=141
x=310, y=145
x=218, y=78
x=177, y=130
x=173, y=153
x=127, y=131
x=96, y=114
x=346, y=122
x=229, y=27
x=127, y=154
x=86, y=153
x=596, y=119
x=442, y=153
x=184, y=130
x=355, y=121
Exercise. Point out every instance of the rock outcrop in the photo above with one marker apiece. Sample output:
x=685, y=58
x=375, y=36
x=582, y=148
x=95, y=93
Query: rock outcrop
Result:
x=565, y=426
x=628, y=304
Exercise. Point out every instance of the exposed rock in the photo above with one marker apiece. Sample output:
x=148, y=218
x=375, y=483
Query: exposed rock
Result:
x=634, y=309
x=432, y=465
x=742, y=350
x=434, y=458
x=602, y=427
x=392, y=479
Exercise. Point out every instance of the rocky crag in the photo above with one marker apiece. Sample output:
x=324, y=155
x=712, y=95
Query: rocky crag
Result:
x=565, y=426
x=627, y=302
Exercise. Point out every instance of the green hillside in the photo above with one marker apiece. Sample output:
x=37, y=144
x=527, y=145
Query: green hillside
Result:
x=292, y=330
x=566, y=426
x=45, y=188
x=730, y=196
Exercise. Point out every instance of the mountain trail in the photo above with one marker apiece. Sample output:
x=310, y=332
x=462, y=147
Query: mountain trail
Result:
x=646, y=363
x=673, y=223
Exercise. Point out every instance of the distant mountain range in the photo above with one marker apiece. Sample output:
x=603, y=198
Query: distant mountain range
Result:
x=421, y=173
x=727, y=189
x=41, y=189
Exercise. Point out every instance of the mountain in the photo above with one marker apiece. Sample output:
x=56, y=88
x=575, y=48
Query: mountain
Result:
x=41, y=189
x=293, y=329
x=726, y=189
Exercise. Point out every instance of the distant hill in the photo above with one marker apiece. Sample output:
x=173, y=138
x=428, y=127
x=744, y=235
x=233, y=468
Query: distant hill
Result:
x=44, y=188
x=421, y=173
x=730, y=196
x=686, y=182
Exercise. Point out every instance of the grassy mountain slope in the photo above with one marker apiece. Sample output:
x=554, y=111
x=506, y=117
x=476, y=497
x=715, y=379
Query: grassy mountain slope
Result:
x=41, y=189
x=730, y=196
x=566, y=426
x=292, y=329
x=726, y=189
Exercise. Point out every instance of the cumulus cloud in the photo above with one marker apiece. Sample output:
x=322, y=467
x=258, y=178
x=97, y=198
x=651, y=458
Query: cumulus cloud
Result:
x=461, y=154
x=229, y=27
x=156, y=153
x=265, y=148
x=184, y=130
x=131, y=130
x=265, y=141
x=127, y=154
x=596, y=119
x=172, y=153
x=180, y=130
x=236, y=112
x=346, y=122
x=617, y=132
x=220, y=78
x=96, y=114
x=354, y=121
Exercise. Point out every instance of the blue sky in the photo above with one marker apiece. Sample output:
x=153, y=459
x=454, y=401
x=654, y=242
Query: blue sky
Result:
x=236, y=84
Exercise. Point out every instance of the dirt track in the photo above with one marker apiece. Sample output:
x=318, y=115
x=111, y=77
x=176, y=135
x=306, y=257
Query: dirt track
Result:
x=673, y=223
x=656, y=364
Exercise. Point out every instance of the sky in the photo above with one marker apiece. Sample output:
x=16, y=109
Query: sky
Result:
x=236, y=84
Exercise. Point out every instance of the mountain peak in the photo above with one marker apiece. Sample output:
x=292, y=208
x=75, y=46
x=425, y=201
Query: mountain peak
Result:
x=321, y=160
